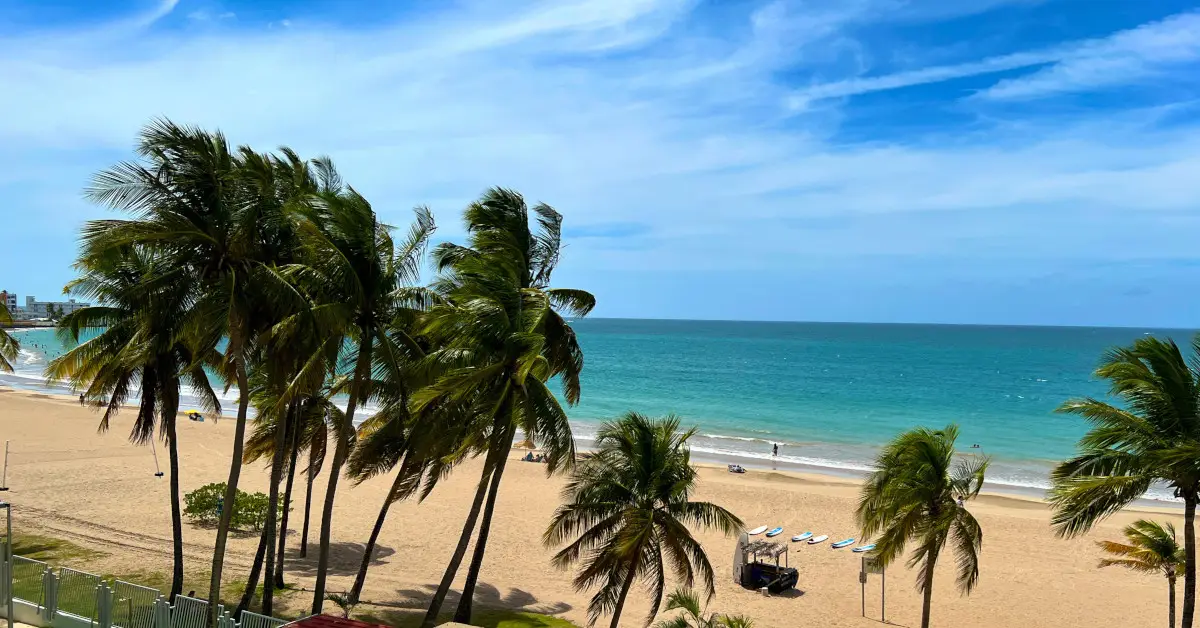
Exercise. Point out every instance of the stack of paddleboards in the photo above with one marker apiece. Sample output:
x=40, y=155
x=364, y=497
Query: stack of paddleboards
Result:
x=809, y=538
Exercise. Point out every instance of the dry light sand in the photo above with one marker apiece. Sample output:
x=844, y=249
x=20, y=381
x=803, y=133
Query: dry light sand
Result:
x=99, y=491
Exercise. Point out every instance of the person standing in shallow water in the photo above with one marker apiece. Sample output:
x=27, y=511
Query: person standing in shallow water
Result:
x=775, y=449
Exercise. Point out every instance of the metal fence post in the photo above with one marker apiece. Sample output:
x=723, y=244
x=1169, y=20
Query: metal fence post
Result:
x=104, y=605
x=49, y=595
x=162, y=613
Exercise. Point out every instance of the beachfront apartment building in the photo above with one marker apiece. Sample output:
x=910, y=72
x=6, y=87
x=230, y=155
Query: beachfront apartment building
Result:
x=35, y=309
x=41, y=309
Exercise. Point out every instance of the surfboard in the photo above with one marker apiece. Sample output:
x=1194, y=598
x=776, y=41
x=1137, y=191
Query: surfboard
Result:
x=775, y=531
x=758, y=530
x=863, y=548
x=817, y=539
x=802, y=537
x=841, y=544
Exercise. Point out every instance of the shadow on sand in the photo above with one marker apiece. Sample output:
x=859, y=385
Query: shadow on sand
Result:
x=344, y=559
x=408, y=606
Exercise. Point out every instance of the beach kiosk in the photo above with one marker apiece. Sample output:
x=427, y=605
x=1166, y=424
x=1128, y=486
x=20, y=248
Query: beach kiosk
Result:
x=756, y=565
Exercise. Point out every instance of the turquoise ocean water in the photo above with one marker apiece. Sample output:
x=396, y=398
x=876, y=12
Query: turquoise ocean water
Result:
x=828, y=393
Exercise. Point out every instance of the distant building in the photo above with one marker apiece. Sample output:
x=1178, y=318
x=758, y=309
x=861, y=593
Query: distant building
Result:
x=10, y=300
x=41, y=309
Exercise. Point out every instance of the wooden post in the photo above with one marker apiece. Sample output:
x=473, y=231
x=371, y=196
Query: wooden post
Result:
x=862, y=581
x=4, y=474
x=883, y=596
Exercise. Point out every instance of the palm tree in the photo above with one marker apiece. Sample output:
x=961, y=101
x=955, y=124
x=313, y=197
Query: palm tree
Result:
x=292, y=362
x=499, y=337
x=360, y=279
x=395, y=441
x=9, y=347
x=1151, y=548
x=693, y=615
x=911, y=497
x=137, y=349
x=319, y=416
x=1153, y=437
x=629, y=505
x=221, y=217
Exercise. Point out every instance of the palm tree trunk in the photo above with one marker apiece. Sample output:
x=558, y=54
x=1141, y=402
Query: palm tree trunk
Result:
x=341, y=451
x=927, y=593
x=252, y=579
x=629, y=578
x=169, y=411
x=1171, y=601
x=312, y=475
x=280, y=446
x=463, y=614
x=235, y=472
x=177, y=515
x=464, y=539
x=369, y=550
x=1189, y=563
x=287, y=507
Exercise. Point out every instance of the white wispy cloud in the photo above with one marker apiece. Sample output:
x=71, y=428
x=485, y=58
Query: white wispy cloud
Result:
x=1128, y=56
x=688, y=142
x=865, y=85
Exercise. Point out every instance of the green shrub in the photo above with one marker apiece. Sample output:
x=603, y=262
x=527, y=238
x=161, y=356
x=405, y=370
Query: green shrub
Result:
x=249, y=509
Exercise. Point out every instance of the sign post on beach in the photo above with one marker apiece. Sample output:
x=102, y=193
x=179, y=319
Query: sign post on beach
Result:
x=4, y=474
x=870, y=564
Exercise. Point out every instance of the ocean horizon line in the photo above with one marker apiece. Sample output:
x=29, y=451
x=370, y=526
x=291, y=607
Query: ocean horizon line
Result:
x=1189, y=329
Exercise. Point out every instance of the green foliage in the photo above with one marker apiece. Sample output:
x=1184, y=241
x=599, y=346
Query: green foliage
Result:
x=342, y=601
x=499, y=336
x=911, y=496
x=249, y=511
x=1153, y=437
x=9, y=347
x=693, y=616
x=1151, y=547
x=628, y=508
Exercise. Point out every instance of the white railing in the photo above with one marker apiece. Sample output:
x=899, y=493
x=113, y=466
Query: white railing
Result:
x=46, y=597
x=189, y=612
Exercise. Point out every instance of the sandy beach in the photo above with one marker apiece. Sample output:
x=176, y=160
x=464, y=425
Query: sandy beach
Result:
x=99, y=491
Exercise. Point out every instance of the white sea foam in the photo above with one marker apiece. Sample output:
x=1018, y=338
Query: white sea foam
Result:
x=1015, y=474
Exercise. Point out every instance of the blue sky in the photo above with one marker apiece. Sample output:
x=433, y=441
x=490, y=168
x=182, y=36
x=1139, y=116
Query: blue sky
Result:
x=966, y=161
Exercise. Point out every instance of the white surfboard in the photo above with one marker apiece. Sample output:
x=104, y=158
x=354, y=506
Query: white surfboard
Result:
x=775, y=531
x=841, y=544
x=758, y=530
x=863, y=548
x=817, y=539
x=802, y=537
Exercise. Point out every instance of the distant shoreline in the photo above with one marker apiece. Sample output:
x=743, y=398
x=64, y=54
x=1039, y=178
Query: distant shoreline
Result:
x=19, y=325
x=794, y=470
